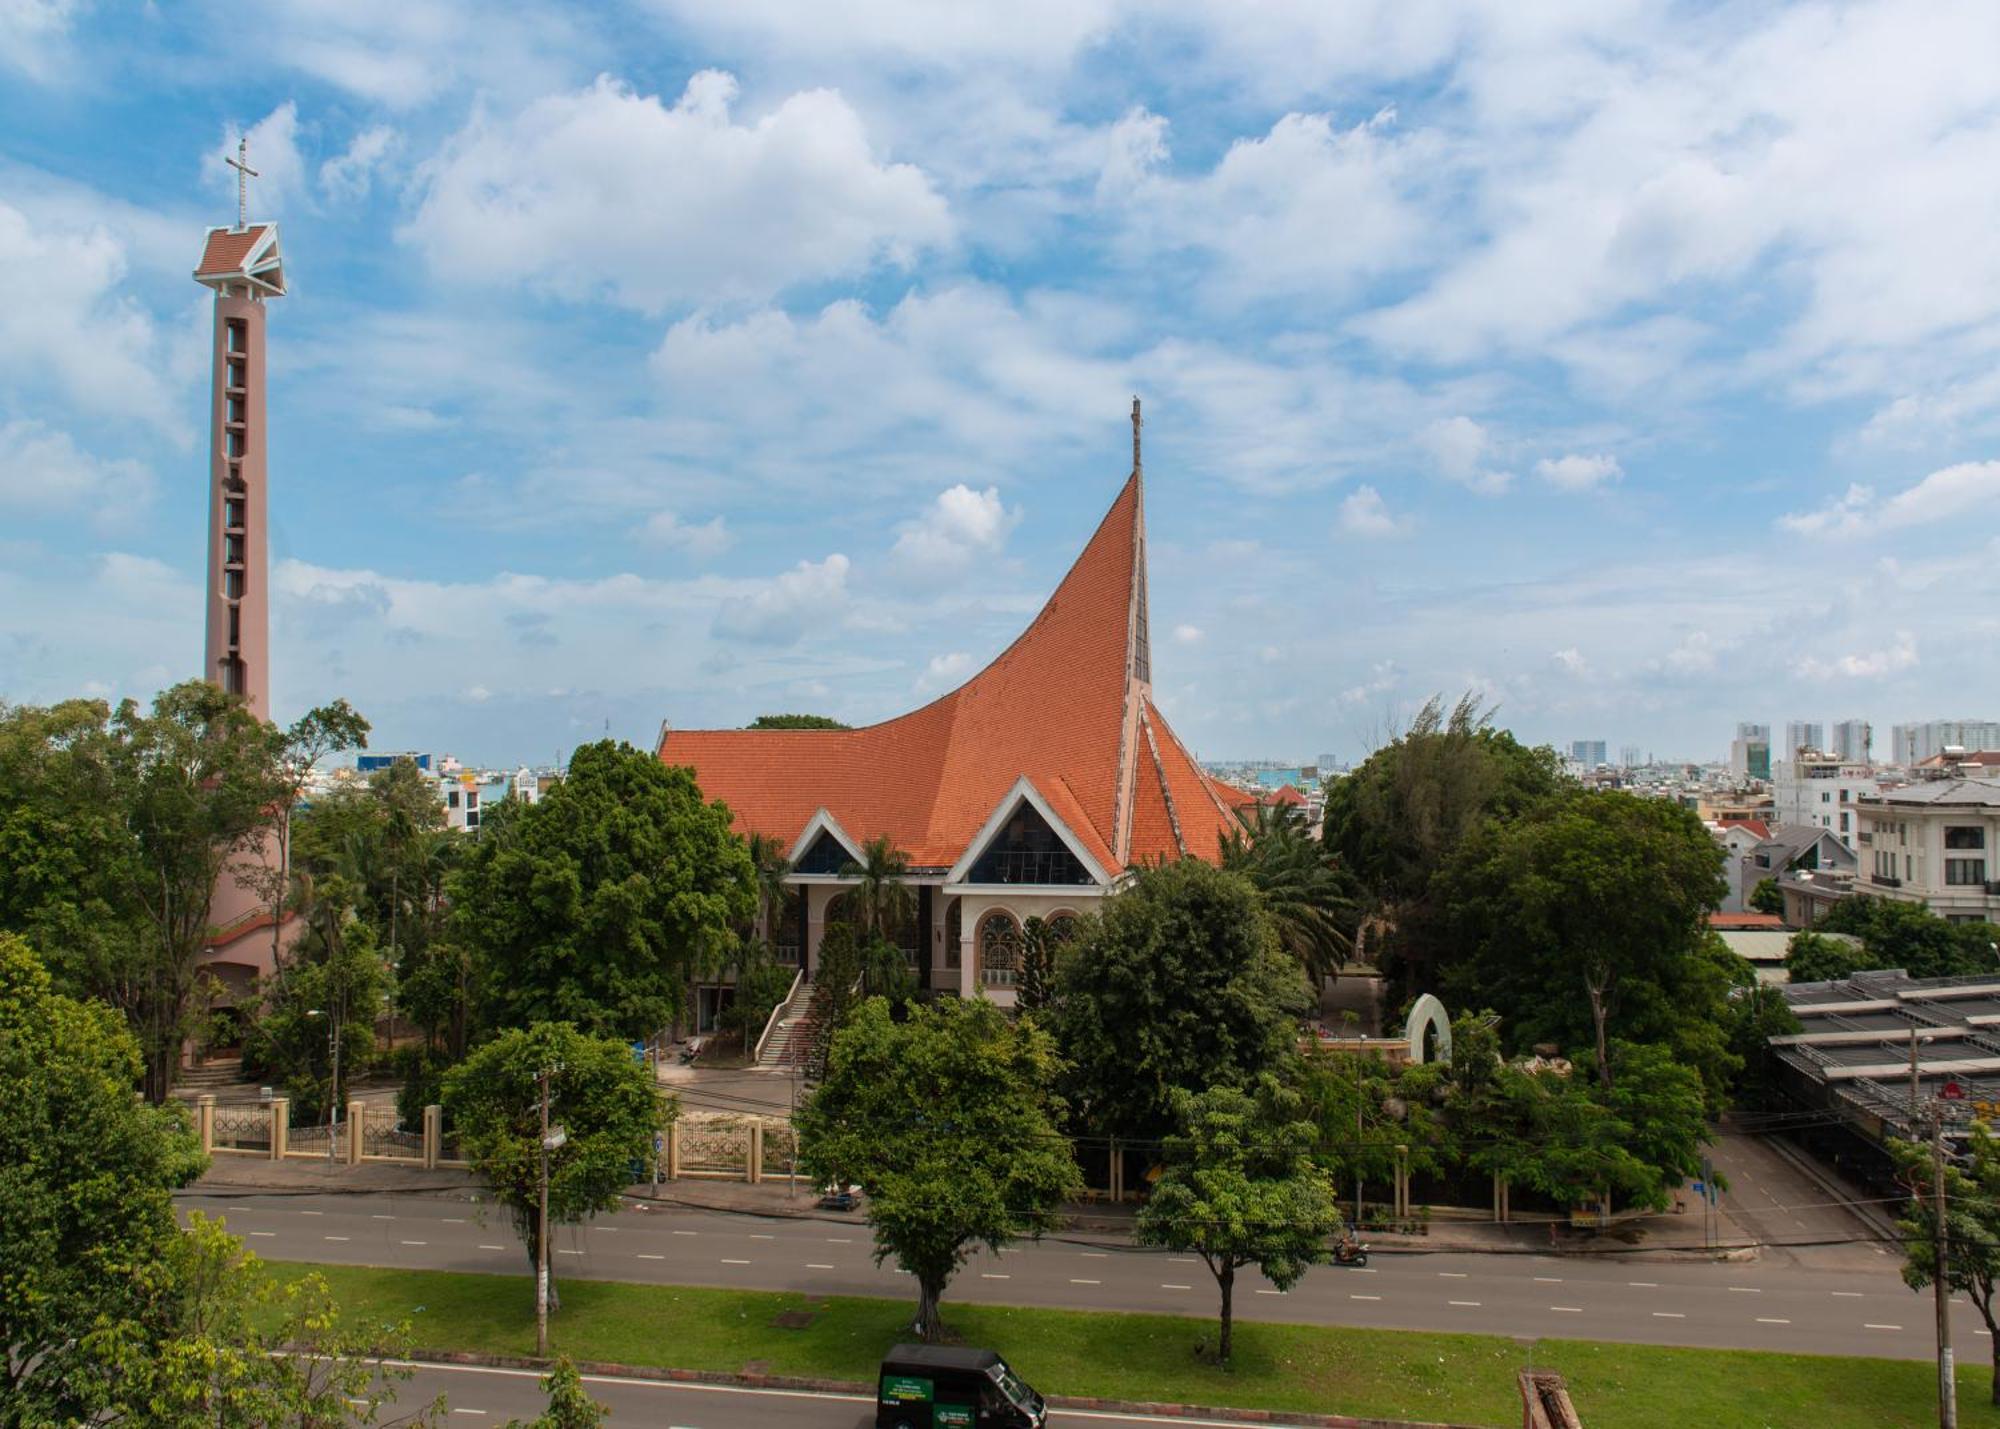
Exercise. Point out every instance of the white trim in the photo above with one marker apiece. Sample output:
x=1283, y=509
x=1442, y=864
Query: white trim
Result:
x=823, y=822
x=1023, y=791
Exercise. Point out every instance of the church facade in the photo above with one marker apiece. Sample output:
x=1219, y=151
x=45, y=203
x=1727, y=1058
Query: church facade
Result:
x=1032, y=790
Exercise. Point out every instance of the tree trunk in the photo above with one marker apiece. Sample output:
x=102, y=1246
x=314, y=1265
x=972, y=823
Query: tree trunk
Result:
x=1597, y=1016
x=1226, y=1277
x=929, y=1326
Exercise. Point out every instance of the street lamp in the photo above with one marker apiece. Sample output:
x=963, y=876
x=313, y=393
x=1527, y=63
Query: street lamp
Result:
x=333, y=1094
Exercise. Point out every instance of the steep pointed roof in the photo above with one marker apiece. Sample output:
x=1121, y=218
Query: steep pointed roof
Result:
x=242, y=255
x=1068, y=706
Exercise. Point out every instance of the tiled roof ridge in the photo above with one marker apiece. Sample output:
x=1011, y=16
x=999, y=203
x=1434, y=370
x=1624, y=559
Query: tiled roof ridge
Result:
x=1166, y=789
x=1207, y=784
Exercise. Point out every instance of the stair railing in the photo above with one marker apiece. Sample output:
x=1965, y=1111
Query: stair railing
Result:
x=771, y=1022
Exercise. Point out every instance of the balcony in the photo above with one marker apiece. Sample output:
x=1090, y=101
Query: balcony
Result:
x=1886, y=880
x=1044, y=866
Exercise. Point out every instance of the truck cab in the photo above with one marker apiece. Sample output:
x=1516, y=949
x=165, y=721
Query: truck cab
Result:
x=946, y=1387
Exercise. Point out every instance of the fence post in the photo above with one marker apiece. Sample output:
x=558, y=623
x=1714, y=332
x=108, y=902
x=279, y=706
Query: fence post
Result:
x=433, y=1136
x=357, y=1121
x=1402, y=1183
x=204, y=1120
x=753, y=1165
x=1117, y=1169
x=281, y=1126
x=674, y=1150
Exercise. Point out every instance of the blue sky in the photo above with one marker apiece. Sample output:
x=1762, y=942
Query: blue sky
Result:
x=1635, y=364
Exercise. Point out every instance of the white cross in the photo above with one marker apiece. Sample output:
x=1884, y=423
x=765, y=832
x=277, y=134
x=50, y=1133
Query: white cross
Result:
x=244, y=173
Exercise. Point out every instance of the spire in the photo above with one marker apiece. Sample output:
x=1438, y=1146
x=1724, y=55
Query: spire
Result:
x=1136, y=424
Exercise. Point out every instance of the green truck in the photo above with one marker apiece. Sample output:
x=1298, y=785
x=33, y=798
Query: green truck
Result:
x=942, y=1387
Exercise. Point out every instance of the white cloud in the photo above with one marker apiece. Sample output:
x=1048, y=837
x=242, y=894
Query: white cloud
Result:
x=1861, y=665
x=1952, y=493
x=1364, y=513
x=274, y=154
x=944, y=672
x=1187, y=635
x=350, y=175
x=709, y=538
x=42, y=472
x=956, y=532
x=1382, y=679
x=1576, y=472
x=34, y=35
x=1459, y=447
x=781, y=612
x=1695, y=655
x=609, y=190
x=1570, y=661
x=68, y=322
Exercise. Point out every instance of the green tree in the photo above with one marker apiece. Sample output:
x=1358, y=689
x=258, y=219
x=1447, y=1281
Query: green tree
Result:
x=1812, y=956
x=316, y=734
x=245, y=1350
x=334, y=992
x=594, y=905
x=833, y=994
x=1240, y=1189
x=1310, y=901
x=605, y=1102
x=87, y=1175
x=1038, y=966
x=1588, y=919
x=570, y=1404
x=1895, y=934
x=1397, y=820
x=881, y=899
x=948, y=1122
x=1765, y=897
x=1972, y=1223
x=1179, y=983
x=769, y=868
x=1757, y=1013
x=795, y=721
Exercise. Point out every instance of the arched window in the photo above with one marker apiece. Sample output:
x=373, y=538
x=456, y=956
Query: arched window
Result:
x=954, y=933
x=1062, y=927
x=999, y=949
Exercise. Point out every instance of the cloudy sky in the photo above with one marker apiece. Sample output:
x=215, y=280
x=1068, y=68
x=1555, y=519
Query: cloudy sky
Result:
x=1636, y=364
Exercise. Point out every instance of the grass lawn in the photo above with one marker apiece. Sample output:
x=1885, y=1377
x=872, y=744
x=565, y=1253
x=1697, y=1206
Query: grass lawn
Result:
x=1465, y=1379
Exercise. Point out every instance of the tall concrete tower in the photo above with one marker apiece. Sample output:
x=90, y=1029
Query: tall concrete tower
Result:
x=242, y=265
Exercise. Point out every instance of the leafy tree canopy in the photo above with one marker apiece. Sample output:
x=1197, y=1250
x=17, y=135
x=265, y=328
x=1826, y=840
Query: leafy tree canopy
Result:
x=605, y=1102
x=1895, y=934
x=1813, y=956
x=1240, y=1189
x=1311, y=900
x=795, y=721
x=1972, y=1224
x=570, y=1404
x=595, y=905
x=1765, y=897
x=947, y=1121
x=1180, y=982
x=87, y=1175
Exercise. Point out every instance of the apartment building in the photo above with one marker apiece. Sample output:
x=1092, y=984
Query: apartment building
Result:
x=1819, y=790
x=1933, y=842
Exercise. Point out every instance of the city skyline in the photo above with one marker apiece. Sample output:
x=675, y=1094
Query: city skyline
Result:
x=653, y=364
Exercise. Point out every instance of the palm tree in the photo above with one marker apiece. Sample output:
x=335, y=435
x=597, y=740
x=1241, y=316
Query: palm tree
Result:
x=1305, y=892
x=881, y=898
x=770, y=868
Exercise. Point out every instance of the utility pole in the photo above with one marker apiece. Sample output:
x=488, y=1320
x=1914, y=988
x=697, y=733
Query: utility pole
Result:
x=1947, y=1375
x=542, y=1236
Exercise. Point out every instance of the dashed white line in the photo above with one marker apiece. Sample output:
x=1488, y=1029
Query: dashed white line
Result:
x=687, y=1232
x=454, y=1220
x=1852, y=1294
x=493, y=1247
x=333, y=1237
x=416, y=1242
x=1092, y=1254
x=1881, y=1327
x=830, y=1240
x=1176, y=1287
x=644, y=1256
x=263, y=1233
x=561, y=1251
x=1465, y=1304
x=1183, y=1260
x=381, y=1218
x=812, y=1266
x=1771, y=1320
x=1668, y=1315
x=993, y=1275
x=1549, y=1279
x=312, y=1213
x=1270, y=1292
x=1075, y=1281
x=1567, y=1309
x=727, y=1261
x=1364, y=1297
x=1451, y=1275
x=759, y=1236
x=1644, y=1284
x=1745, y=1290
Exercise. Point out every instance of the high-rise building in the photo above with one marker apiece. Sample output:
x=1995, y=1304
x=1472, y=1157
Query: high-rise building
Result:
x=1629, y=756
x=1590, y=753
x=1820, y=790
x=243, y=267
x=1750, y=752
x=1914, y=743
x=1853, y=741
x=1803, y=734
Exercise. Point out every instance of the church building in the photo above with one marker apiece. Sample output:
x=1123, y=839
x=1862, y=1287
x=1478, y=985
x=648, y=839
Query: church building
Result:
x=1031, y=790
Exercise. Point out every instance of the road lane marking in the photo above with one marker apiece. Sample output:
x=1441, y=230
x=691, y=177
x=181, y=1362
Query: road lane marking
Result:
x=1849, y=1294
x=1451, y=1274
x=1075, y=1281
x=493, y=1247
x=561, y=1251
x=727, y=1261
x=1567, y=1309
x=333, y=1237
x=1467, y=1304
x=644, y=1256
x=1744, y=1290
x=263, y=1233
x=1364, y=1297
x=1165, y=1286
x=1668, y=1315
x=1771, y=1320
x=1092, y=1254
x=757, y=1236
x=1270, y=1292
x=1183, y=1260
x=810, y=1265
x=830, y=1240
x=1549, y=1279
x=1644, y=1284
x=687, y=1232
x=416, y=1242
x=454, y=1220
x=993, y=1275
x=1881, y=1327
x=312, y=1213
x=480, y=1412
x=381, y=1218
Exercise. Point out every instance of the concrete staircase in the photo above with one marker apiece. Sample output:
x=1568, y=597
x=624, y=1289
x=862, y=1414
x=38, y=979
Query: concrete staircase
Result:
x=793, y=1035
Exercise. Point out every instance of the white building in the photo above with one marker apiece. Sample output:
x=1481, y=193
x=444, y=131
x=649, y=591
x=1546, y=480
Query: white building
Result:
x=1932, y=843
x=1819, y=791
x=1914, y=743
x=1750, y=753
x=1801, y=734
x=1853, y=741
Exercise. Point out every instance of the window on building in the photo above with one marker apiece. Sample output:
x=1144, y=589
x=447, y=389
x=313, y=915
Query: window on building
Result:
x=1843, y=823
x=235, y=378
x=451, y=799
x=236, y=409
x=232, y=513
x=239, y=337
x=1961, y=872
x=1825, y=798
x=235, y=625
x=232, y=443
x=232, y=584
x=999, y=949
x=232, y=550
x=1962, y=837
x=954, y=934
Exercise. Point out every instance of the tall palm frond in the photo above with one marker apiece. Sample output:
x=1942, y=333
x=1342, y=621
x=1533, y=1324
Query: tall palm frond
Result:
x=770, y=868
x=881, y=898
x=1304, y=891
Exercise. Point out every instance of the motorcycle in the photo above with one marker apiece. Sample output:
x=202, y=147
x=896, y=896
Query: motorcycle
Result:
x=1350, y=1252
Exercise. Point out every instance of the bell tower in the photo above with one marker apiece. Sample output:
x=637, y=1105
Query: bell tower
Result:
x=242, y=265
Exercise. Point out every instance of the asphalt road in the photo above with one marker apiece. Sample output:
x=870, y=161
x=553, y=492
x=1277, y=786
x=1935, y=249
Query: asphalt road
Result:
x=1642, y=1298
x=481, y=1396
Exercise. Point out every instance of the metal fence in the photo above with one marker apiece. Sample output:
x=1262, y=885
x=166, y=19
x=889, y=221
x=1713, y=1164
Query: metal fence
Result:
x=714, y=1148
x=243, y=1128
x=383, y=1135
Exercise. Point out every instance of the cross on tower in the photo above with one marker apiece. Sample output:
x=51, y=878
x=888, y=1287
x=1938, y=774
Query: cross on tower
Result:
x=1135, y=434
x=244, y=173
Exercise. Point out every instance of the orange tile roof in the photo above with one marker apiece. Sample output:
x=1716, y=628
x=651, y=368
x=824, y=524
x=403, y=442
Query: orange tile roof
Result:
x=227, y=249
x=1065, y=706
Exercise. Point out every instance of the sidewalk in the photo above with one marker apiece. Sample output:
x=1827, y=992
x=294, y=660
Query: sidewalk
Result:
x=227, y=1173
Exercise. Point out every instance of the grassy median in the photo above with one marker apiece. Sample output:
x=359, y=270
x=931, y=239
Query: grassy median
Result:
x=1458, y=1379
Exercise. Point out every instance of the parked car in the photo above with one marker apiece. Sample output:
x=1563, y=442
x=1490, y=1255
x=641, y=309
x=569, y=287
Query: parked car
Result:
x=946, y=1387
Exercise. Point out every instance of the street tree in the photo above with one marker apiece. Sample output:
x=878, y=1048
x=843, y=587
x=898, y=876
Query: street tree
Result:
x=1586, y=919
x=948, y=1122
x=606, y=1103
x=1813, y=956
x=1240, y=1189
x=1972, y=1225
x=595, y=904
x=570, y=1404
x=1765, y=897
x=87, y=1176
x=1895, y=934
x=1179, y=983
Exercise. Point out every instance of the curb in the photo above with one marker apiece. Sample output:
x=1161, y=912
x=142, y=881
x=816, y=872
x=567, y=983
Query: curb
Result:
x=805, y=1384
